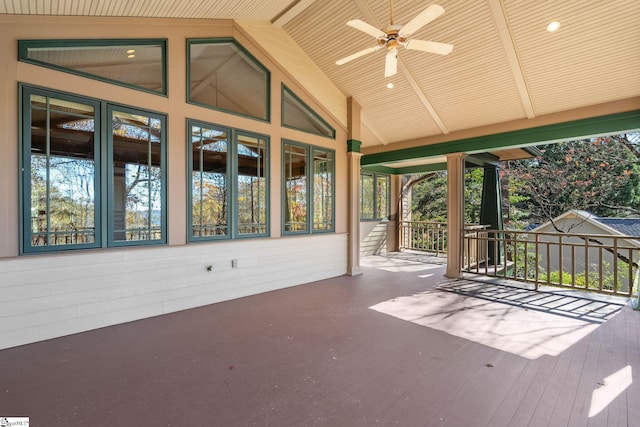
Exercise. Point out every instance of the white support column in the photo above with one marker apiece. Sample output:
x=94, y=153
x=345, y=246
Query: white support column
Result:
x=353, y=261
x=353, y=158
x=455, y=213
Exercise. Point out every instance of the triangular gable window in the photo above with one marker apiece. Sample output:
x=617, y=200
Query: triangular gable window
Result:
x=298, y=115
x=139, y=64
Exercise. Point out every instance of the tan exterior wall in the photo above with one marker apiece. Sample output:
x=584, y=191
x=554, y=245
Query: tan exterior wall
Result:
x=86, y=276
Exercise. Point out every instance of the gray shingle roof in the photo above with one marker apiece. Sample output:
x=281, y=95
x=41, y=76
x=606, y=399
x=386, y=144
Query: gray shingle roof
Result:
x=627, y=226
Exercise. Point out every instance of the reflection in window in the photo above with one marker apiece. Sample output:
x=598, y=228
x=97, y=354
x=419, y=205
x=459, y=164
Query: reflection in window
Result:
x=209, y=184
x=136, y=63
x=322, y=190
x=298, y=115
x=382, y=196
x=374, y=196
x=229, y=183
x=137, y=212
x=295, y=187
x=252, y=185
x=308, y=188
x=367, y=199
x=62, y=169
x=224, y=76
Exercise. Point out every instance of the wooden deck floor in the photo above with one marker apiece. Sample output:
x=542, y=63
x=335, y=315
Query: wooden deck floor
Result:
x=398, y=346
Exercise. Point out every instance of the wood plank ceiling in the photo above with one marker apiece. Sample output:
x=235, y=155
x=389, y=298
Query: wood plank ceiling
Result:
x=504, y=67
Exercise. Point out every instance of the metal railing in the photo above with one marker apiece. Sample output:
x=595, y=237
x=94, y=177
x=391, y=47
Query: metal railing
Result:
x=601, y=263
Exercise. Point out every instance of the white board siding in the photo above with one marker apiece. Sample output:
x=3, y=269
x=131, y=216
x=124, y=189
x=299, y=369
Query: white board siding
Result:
x=47, y=296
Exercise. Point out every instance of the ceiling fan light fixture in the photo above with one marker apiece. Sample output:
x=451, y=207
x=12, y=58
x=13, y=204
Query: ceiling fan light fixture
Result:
x=399, y=35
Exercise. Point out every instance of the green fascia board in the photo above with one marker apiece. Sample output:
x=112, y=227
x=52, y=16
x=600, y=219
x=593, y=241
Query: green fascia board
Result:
x=619, y=122
x=380, y=169
x=433, y=167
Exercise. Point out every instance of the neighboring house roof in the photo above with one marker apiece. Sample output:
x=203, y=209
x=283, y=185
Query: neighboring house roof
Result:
x=626, y=226
x=616, y=226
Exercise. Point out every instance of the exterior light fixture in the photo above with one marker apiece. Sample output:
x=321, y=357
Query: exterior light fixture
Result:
x=553, y=26
x=389, y=85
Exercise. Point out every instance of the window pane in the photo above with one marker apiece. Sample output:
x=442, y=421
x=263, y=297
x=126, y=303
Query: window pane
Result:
x=366, y=196
x=295, y=165
x=322, y=190
x=252, y=185
x=62, y=166
x=224, y=76
x=382, y=197
x=209, y=182
x=296, y=114
x=137, y=177
x=132, y=63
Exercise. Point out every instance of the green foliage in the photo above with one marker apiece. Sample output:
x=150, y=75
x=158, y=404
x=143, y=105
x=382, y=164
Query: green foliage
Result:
x=601, y=175
x=429, y=197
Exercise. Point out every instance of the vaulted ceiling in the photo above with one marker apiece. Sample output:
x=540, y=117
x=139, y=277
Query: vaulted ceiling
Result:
x=506, y=71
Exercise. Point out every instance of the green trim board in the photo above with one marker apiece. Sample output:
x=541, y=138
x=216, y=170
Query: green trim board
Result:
x=619, y=122
x=433, y=167
x=119, y=60
x=353, y=146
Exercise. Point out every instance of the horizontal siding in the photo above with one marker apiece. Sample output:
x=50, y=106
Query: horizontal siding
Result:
x=373, y=237
x=43, y=297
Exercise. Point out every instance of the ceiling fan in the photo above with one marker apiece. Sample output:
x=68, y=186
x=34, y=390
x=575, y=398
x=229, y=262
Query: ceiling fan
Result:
x=398, y=35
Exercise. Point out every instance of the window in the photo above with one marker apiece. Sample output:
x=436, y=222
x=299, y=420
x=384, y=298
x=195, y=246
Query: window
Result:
x=136, y=176
x=224, y=76
x=374, y=196
x=298, y=115
x=87, y=184
x=308, y=188
x=139, y=64
x=229, y=182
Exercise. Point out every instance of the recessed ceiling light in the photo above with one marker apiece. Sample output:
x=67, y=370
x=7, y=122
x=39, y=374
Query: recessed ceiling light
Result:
x=131, y=56
x=553, y=26
x=130, y=51
x=390, y=85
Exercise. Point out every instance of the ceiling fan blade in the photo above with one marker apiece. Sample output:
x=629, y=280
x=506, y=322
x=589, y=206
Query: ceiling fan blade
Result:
x=391, y=63
x=422, y=19
x=432, y=47
x=367, y=28
x=357, y=55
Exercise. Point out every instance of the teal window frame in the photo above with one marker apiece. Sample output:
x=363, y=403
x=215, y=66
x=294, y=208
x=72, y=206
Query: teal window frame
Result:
x=257, y=64
x=309, y=197
x=112, y=242
x=232, y=164
x=103, y=171
x=285, y=90
x=374, y=203
x=25, y=45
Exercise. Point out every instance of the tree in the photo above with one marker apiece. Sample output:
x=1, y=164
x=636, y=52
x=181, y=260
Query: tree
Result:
x=429, y=196
x=600, y=175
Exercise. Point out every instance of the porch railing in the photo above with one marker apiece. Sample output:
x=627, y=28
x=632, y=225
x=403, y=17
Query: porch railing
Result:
x=601, y=263
x=431, y=236
x=424, y=236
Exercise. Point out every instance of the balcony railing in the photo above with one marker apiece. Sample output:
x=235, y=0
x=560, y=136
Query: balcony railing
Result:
x=424, y=236
x=602, y=263
x=430, y=236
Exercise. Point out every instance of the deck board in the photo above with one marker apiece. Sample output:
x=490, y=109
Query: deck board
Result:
x=321, y=355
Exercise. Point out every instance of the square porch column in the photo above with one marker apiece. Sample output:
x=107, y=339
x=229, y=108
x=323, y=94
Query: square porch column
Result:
x=455, y=213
